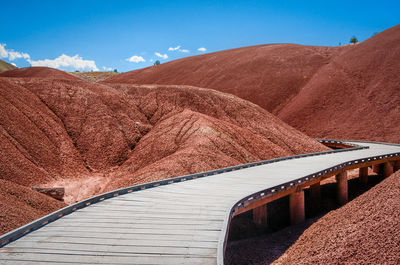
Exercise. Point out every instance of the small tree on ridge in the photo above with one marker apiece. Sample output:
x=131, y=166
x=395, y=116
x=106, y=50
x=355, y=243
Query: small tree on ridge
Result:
x=353, y=40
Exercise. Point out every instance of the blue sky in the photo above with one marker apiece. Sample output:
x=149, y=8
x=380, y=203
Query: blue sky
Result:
x=87, y=35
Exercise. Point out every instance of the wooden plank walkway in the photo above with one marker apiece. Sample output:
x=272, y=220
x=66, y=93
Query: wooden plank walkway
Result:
x=179, y=223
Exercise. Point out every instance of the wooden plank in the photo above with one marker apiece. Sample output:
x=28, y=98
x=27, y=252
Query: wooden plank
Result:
x=143, y=217
x=127, y=236
x=135, y=231
x=156, y=207
x=138, y=221
x=194, y=201
x=209, y=226
x=61, y=257
x=115, y=250
x=122, y=241
x=89, y=220
x=195, y=215
x=193, y=211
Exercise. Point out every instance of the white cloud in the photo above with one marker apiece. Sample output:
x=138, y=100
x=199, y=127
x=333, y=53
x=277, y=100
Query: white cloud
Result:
x=16, y=55
x=3, y=51
x=136, y=59
x=67, y=63
x=162, y=56
x=178, y=48
x=107, y=68
x=11, y=54
x=202, y=49
x=174, y=49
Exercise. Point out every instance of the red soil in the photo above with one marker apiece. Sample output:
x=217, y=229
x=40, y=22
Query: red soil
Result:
x=36, y=71
x=20, y=205
x=364, y=231
x=339, y=92
x=91, y=138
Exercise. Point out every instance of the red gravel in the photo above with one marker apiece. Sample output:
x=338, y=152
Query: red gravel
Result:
x=20, y=205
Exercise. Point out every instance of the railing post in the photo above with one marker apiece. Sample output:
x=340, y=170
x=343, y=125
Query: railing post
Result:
x=363, y=175
x=315, y=192
x=296, y=204
x=260, y=216
x=342, y=190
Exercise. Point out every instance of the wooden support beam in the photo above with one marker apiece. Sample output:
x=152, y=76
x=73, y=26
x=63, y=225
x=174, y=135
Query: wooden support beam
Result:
x=396, y=165
x=260, y=216
x=296, y=204
x=363, y=174
x=342, y=190
x=376, y=168
x=315, y=194
x=387, y=169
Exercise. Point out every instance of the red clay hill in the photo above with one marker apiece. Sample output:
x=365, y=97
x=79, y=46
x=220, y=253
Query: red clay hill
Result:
x=91, y=137
x=343, y=92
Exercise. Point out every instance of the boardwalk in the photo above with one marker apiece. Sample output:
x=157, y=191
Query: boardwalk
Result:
x=178, y=223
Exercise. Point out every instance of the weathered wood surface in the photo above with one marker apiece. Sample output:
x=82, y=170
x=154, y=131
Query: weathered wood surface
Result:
x=179, y=223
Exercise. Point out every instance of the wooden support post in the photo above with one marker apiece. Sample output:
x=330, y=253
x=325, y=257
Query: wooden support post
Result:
x=363, y=174
x=315, y=192
x=387, y=169
x=376, y=168
x=342, y=190
x=296, y=201
x=260, y=216
x=396, y=165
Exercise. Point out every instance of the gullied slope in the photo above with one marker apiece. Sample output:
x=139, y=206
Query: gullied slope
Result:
x=355, y=96
x=36, y=71
x=102, y=123
x=4, y=66
x=267, y=75
x=197, y=129
x=35, y=147
x=364, y=231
